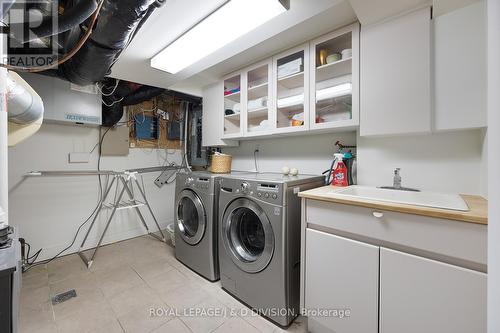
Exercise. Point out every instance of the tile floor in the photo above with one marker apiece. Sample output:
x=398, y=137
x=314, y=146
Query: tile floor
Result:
x=126, y=281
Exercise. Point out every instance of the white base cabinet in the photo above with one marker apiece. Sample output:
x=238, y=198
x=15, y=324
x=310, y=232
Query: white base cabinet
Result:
x=421, y=295
x=341, y=274
x=394, y=272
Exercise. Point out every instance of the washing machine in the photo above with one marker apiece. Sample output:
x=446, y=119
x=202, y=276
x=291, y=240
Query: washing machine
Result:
x=259, y=241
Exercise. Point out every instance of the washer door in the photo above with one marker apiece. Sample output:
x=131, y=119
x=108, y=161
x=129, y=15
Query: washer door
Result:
x=247, y=235
x=191, y=217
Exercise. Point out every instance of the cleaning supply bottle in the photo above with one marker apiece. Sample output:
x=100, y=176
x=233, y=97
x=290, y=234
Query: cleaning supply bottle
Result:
x=339, y=171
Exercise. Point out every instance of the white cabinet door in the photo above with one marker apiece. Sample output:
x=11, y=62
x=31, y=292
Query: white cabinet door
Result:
x=260, y=112
x=460, y=68
x=334, y=76
x=422, y=295
x=341, y=274
x=213, y=104
x=395, y=75
x=291, y=90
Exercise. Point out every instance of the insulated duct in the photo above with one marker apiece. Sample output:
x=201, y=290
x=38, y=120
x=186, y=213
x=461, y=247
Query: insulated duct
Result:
x=24, y=109
x=70, y=19
x=117, y=24
x=24, y=105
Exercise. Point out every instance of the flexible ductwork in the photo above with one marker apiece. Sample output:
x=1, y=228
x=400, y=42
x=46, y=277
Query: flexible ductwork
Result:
x=117, y=24
x=24, y=109
x=70, y=19
x=24, y=105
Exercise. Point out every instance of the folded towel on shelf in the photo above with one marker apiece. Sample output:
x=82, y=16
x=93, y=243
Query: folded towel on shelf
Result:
x=237, y=108
x=257, y=103
x=291, y=67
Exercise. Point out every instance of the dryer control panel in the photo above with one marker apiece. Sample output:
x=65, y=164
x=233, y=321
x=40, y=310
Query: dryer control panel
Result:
x=203, y=184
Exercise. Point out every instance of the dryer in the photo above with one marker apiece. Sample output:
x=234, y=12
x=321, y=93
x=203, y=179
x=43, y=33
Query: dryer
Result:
x=259, y=241
x=196, y=201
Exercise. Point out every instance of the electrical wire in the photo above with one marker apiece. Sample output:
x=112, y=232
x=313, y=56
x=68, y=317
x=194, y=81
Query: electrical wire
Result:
x=68, y=55
x=107, y=94
x=69, y=246
x=99, y=162
x=113, y=103
x=99, y=201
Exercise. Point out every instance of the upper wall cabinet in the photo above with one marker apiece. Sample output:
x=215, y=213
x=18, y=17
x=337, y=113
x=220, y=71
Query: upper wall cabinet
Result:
x=291, y=76
x=259, y=108
x=460, y=68
x=311, y=87
x=234, y=107
x=212, y=126
x=396, y=75
x=334, y=101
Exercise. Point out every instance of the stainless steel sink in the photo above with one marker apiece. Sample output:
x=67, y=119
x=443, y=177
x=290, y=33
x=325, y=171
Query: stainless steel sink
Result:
x=426, y=199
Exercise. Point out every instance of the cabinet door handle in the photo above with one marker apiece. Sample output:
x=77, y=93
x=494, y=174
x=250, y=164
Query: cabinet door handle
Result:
x=378, y=214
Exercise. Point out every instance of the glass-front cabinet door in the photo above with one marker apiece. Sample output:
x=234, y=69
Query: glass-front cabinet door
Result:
x=259, y=114
x=335, y=79
x=232, y=113
x=291, y=77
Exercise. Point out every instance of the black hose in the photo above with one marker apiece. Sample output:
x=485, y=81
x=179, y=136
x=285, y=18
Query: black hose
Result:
x=71, y=18
x=330, y=172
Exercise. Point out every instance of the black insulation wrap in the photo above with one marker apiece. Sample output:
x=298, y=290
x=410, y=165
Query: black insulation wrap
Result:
x=70, y=19
x=116, y=25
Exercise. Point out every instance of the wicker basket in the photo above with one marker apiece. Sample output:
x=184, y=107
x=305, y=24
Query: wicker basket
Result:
x=221, y=163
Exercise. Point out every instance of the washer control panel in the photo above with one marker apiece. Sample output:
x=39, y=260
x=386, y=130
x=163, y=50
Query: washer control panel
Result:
x=271, y=193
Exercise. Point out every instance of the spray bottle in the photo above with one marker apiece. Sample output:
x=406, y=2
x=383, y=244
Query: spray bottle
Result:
x=339, y=171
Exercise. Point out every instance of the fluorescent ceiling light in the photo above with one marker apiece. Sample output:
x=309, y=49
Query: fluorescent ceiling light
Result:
x=226, y=24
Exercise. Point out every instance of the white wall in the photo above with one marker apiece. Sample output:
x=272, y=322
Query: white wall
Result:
x=446, y=162
x=48, y=210
x=309, y=154
x=493, y=165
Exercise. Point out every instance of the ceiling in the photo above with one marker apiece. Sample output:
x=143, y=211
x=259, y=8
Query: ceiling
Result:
x=177, y=16
x=304, y=20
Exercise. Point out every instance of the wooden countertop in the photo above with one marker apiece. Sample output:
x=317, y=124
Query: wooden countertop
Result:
x=478, y=206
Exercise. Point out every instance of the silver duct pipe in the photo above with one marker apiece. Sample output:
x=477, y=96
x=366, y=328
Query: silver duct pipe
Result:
x=4, y=176
x=24, y=105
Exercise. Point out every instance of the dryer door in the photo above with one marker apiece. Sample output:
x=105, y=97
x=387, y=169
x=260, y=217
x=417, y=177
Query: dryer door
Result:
x=247, y=235
x=191, y=217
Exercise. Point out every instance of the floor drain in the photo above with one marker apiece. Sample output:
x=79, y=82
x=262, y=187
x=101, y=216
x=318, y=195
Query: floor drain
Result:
x=63, y=297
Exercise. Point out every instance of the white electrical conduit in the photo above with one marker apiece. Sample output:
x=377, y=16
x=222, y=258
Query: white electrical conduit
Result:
x=24, y=105
x=186, y=104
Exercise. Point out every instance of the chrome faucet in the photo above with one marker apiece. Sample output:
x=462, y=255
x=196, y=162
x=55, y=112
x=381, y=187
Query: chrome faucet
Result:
x=396, y=183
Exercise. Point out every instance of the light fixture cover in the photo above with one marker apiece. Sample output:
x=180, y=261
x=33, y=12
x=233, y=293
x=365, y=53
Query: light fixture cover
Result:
x=226, y=24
